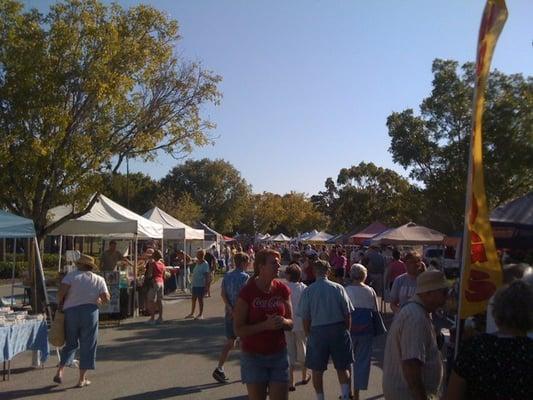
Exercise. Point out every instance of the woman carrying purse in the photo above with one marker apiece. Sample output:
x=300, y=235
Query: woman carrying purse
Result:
x=155, y=272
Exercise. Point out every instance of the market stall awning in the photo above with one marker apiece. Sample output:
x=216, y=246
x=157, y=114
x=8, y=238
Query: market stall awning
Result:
x=280, y=237
x=317, y=237
x=106, y=218
x=12, y=226
x=512, y=223
x=210, y=233
x=173, y=229
x=409, y=234
x=517, y=213
x=375, y=228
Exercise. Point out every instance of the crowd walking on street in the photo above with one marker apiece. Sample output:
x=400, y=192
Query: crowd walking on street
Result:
x=289, y=331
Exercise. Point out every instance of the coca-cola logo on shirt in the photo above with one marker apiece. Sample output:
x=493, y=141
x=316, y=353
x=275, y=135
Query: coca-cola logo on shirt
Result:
x=267, y=304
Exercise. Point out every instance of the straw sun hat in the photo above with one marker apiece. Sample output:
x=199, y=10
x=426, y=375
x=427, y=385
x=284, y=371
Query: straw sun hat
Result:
x=431, y=280
x=87, y=261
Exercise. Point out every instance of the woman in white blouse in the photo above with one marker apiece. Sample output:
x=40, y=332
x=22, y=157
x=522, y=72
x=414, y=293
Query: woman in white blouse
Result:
x=79, y=295
x=364, y=299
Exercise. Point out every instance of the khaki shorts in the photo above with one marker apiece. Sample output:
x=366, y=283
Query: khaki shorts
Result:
x=155, y=293
x=296, y=342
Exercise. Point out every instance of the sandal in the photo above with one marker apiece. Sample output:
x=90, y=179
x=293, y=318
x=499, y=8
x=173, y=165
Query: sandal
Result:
x=58, y=379
x=292, y=388
x=305, y=381
x=83, y=383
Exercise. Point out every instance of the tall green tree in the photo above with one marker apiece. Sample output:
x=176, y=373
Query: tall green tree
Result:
x=135, y=191
x=434, y=145
x=183, y=207
x=216, y=186
x=366, y=193
x=273, y=213
x=84, y=86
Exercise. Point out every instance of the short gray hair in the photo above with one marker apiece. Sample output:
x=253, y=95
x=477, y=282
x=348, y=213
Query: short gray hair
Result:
x=321, y=267
x=358, y=272
x=513, y=306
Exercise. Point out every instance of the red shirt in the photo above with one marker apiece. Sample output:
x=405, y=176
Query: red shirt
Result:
x=309, y=273
x=158, y=270
x=396, y=268
x=259, y=305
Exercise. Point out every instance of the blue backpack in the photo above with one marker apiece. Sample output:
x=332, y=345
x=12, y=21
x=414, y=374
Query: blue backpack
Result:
x=362, y=322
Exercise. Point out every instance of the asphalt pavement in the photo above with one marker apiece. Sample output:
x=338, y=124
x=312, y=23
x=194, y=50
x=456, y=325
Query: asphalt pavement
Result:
x=174, y=360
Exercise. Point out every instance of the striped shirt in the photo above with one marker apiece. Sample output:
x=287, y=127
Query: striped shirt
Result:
x=411, y=336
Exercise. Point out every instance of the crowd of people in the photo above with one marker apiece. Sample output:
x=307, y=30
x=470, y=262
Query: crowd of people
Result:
x=320, y=313
x=325, y=305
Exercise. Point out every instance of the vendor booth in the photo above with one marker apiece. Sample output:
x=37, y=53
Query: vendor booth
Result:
x=182, y=234
x=316, y=237
x=18, y=330
x=211, y=237
x=364, y=236
x=111, y=220
x=279, y=238
x=175, y=230
x=512, y=223
x=409, y=234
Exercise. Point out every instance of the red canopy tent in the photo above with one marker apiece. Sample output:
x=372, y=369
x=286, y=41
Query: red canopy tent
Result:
x=375, y=228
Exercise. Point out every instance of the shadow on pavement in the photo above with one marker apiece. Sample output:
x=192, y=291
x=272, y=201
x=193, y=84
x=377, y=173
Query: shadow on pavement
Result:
x=170, y=392
x=146, y=342
x=26, y=393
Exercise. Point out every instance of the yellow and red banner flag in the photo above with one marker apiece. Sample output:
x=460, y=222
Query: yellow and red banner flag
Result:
x=481, y=270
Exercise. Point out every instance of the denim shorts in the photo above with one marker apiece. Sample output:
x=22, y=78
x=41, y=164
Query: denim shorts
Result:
x=260, y=368
x=198, y=291
x=329, y=340
x=228, y=328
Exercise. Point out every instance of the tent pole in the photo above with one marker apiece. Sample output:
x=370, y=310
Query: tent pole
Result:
x=41, y=272
x=60, y=252
x=13, y=271
x=135, y=302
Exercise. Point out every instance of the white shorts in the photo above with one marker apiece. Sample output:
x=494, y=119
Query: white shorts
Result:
x=296, y=342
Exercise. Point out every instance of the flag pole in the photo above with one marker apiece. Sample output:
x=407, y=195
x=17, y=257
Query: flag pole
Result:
x=476, y=222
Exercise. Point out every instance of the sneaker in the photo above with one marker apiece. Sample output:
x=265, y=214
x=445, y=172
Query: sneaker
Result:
x=199, y=317
x=220, y=376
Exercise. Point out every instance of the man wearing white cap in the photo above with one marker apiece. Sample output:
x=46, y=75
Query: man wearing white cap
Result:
x=413, y=365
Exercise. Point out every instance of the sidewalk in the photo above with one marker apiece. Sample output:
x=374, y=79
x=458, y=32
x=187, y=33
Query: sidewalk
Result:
x=136, y=361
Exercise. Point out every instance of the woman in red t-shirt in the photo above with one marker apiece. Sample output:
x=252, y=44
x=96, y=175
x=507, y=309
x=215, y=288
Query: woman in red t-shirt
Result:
x=155, y=272
x=395, y=269
x=262, y=312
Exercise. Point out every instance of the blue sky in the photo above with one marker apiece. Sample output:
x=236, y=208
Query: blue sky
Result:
x=308, y=84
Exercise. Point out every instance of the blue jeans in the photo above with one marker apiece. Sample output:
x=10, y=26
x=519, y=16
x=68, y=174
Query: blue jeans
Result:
x=362, y=351
x=261, y=368
x=329, y=340
x=81, y=328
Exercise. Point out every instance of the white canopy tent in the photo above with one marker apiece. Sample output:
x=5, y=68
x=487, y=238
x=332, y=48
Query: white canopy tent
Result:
x=304, y=236
x=173, y=229
x=316, y=236
x=107, y=219
x=259, y=237
x=409, y=234
x=15, y=227
x=280, y=237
